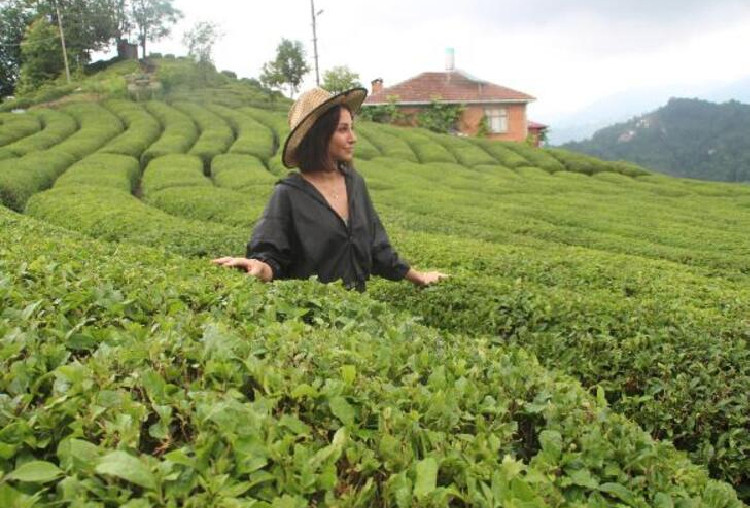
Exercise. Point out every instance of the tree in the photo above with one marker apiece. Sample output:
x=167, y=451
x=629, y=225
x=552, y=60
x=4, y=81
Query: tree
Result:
x=15, y=16
x=200, y=40
x=41, y=54
x=288, y=68
x=340, y=78
x=153, y=19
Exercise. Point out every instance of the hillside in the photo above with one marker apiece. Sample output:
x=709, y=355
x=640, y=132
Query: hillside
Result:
x=589, y=349
x=690, y=138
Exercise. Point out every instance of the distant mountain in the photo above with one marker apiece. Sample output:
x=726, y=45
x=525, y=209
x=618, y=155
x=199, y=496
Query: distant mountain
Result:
x=621, y=106
x=691, y=138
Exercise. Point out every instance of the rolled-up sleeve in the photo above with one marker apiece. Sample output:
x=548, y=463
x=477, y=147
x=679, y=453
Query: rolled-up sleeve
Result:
x=271, y=241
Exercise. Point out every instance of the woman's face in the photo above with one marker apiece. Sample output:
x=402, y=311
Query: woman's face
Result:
x=341, y=146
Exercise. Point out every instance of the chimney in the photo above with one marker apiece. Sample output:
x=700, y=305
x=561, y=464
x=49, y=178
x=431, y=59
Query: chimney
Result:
x=377, y=85
x=450, y=64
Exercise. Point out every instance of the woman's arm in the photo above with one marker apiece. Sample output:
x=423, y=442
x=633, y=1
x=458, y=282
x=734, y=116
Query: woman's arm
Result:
x=260, y=270
x=424, y=278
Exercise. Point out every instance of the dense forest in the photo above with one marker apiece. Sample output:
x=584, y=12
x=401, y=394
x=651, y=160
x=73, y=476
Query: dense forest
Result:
x=690, y=138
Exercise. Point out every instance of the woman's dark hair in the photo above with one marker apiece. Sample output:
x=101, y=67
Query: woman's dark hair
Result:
x=313, y=150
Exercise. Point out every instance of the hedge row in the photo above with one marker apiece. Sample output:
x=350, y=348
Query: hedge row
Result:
x=22, y=177
x=14, y=126
x=213, y=204
x=236, y=171
x=141, y=132
x=172, y=171
x=500, y=152
x=163, y=381
x=178, y=136
x=216, y=136
x=280, y=126
x=108, y=170
x=96, y=126
x=56, y=126
x=465, y=153
x=586, y=164
x=119, y=216
x=425, y=147
x=387, y=140
x=253, y=137
x=538, y=157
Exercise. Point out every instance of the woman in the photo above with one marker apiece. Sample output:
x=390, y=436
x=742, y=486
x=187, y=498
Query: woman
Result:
x=322, y=221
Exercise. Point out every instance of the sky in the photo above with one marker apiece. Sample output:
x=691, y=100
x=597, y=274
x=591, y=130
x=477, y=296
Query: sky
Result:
x=568, y=54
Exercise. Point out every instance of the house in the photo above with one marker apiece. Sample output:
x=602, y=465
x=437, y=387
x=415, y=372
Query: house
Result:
x=503, y=109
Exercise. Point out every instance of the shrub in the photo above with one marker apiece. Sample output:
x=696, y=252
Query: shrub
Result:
x=56, y=126
x=212, y=204
x=464, y=152
x=237, y=172
x=171, y=171
x=118, y=216
x=179, y=134
x=386, y=139
x=426, y=148
x=14, y=126
x=142, y=129
x=500, y=152
x=216, y=136
x=114, y=171
x=96, y=126
x=22, y=177
x=253, y=137
x=538, y=157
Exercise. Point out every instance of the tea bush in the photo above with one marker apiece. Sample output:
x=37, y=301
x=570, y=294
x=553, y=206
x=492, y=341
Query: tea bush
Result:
x=171, y=171
x=56, y=126
x=426, y=149
x=163, y=381
x=14, y=126
x=103, y=170
x=179, y=132
x=253, y=138
x=142, y=129
x=237, y=172
x=22, y=177
x=216, y=136
x=96, y=126
x=500, y=152
x=465, y=153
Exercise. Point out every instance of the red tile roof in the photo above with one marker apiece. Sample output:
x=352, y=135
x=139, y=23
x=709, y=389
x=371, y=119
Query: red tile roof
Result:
x=451, y=87
x=535, y=125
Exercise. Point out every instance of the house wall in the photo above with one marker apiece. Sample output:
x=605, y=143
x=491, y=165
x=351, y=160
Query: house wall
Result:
x=472, y=116
x=517, y=126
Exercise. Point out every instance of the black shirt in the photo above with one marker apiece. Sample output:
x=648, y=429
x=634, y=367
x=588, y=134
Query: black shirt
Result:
x=300, y=235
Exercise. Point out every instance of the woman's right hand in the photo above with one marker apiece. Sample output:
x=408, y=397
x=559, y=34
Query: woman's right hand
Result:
x=260, y=270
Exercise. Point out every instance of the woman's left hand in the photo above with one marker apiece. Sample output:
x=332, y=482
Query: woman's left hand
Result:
x=423, y=279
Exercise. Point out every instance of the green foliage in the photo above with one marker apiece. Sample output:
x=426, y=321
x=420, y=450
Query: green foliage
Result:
x=688, y=138
x=56, y=127
x=178, y=135
x=152, y=20
x=465, y=153
x=16, y=126
x=173, y=170
x=103, y=170
x=387, y=140
x=252, y=137
x=96, y=126
x=120, y=217
x=15, y=16
x=23, y=177
x=238, y=171
x=216, y=136
x=287, y=69
x=385, y=113
x=206, y=388
x=41, y=54
x=200, y=40
x=339, y=79
x=141, y=130
x=426, y=149
x=439, y=117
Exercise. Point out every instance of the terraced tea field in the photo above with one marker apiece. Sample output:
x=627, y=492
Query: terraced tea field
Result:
x=589, y=349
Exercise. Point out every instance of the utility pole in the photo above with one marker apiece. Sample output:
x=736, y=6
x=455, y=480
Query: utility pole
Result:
x=62, y=39
x=315, y=39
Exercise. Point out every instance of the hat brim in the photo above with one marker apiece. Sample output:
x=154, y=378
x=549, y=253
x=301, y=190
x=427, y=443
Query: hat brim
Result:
x=352, y=99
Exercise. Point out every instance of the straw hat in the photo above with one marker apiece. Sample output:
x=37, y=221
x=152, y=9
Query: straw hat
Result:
x=308, y=108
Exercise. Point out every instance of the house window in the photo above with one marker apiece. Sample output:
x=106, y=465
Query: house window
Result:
x=497, y=119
